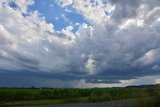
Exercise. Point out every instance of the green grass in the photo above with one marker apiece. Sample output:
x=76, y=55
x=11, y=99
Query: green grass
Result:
x=35, y=96
x=146, y=102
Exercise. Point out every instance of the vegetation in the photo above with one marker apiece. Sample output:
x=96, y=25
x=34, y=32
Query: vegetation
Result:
x=145, y=101
x=37, y=96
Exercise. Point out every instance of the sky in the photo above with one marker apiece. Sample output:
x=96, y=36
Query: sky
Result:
x=79, y=43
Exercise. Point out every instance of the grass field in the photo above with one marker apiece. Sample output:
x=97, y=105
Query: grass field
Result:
x=43, y=96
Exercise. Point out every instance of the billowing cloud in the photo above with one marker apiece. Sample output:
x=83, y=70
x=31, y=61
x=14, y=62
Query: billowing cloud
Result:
x=121, y=41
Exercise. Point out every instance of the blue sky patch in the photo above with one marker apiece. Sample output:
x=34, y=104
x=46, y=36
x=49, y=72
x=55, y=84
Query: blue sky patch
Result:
x=13, y=5
x=57, y=15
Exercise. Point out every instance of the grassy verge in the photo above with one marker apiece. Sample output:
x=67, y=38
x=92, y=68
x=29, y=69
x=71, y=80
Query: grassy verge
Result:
x=143, y=102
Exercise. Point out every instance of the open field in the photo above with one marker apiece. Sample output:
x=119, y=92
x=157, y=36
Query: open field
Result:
x=45, y=96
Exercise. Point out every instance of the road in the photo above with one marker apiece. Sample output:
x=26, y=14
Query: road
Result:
x=117, y=103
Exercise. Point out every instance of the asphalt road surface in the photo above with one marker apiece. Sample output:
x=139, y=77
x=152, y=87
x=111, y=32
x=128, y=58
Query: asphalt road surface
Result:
x=118, y=103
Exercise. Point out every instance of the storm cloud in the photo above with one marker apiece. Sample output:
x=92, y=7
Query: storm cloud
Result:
x=121, y=41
